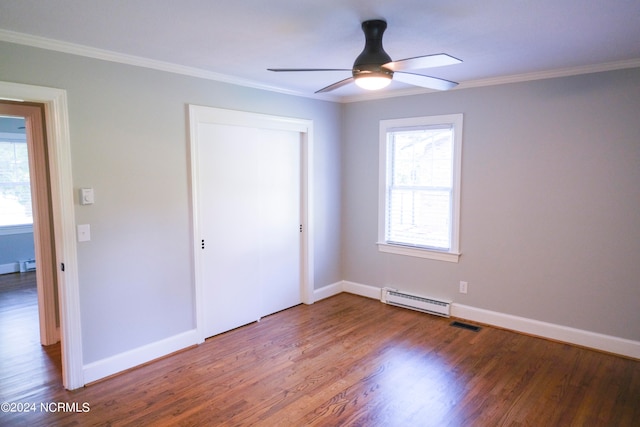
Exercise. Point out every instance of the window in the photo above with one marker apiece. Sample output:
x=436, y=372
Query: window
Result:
x=420, y=162
x=15, y=190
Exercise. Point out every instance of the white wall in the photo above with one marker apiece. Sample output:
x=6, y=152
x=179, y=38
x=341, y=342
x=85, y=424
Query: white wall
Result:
x=550, y=222
x=129, y=141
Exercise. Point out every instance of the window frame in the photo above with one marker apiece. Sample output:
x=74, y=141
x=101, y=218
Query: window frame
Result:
x=391, y=125
x=6, y=230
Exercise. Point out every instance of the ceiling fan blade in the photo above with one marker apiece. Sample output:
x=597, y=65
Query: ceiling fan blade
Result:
x=419, y=62
x=307, y=69
x=336, y=85
x=424, y=81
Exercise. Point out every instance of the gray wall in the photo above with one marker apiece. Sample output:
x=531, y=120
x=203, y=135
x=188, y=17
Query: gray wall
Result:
x=550, y=195
x=16, y=247
x=129, y=141
x=550, y=221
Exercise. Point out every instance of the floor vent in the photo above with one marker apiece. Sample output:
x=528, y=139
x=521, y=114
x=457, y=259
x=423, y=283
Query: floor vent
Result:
x=415, y=302
x=473, y=328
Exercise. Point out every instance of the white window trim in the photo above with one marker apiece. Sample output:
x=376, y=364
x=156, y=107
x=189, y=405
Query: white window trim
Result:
x=453, y=254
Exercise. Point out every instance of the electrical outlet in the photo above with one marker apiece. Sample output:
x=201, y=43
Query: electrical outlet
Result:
x=84, y=232
x=463, y=287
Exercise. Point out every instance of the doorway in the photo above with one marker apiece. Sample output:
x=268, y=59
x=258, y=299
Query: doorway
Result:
x=54, y=102
x=45, y=258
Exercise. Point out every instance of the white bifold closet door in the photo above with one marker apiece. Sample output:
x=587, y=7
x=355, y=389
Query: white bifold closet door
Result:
x=249, y=214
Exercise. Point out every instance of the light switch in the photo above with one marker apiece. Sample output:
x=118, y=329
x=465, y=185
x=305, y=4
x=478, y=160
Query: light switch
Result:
x=84, y=233
x=86, y=196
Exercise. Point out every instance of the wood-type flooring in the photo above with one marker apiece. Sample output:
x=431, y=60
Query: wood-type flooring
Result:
x=343, y=361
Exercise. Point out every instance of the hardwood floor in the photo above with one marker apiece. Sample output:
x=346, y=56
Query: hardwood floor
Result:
x=25, y=366
x=343, y=361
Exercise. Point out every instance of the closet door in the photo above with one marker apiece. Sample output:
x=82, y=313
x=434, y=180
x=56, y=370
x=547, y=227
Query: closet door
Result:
x=249, y=218
x=280, y=221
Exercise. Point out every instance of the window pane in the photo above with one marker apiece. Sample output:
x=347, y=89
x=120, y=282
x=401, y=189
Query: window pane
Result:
x=15, y=189
x=420, y=190
x=419, y=218
x=423, y=157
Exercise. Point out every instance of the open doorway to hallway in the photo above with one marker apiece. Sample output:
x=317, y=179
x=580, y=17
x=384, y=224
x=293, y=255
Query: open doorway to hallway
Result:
x=27, y=366
x=29, y=316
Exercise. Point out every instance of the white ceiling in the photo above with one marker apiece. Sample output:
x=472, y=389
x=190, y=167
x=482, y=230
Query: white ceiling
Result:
x=498, y=40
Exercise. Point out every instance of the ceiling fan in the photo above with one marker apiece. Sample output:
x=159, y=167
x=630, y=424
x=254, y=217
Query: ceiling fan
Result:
x=373, y=69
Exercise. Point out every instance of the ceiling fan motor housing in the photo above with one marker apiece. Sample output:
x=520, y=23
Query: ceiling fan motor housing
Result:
x=373, y=56
x=373, y=69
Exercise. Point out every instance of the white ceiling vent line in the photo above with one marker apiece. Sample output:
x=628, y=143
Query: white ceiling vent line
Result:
x=415, y=302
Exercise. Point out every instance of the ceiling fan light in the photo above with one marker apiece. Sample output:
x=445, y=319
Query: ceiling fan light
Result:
x=373, y=82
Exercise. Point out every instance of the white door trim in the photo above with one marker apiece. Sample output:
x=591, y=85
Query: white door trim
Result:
x=210, y=115
x=59, y=148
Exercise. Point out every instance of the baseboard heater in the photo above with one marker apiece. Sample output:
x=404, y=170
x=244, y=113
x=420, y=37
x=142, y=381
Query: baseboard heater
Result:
x=414, y=302
x=27, y=265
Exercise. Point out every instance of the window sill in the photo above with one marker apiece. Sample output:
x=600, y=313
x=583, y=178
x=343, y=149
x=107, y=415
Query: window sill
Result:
x=419, y=252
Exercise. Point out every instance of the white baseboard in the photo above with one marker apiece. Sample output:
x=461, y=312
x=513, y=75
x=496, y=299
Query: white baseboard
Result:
x=129, y=359
x=362, y=290
x=12, y=267
x=327, y=291
x=624, y=347
x=607, y=343
x=349, y=287
x=551, y=331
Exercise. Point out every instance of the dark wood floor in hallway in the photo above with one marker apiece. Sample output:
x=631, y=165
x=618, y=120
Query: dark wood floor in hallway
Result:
x=26, y=367
x=343, y=361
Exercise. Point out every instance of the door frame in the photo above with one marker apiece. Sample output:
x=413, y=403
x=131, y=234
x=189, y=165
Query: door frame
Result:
x=43, y=238
x=63, y=221
x=210, y=115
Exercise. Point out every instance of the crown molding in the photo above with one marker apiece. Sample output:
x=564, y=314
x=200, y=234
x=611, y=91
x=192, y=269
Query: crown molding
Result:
x=515, y=78
x=107, y=55
x=138, y=61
